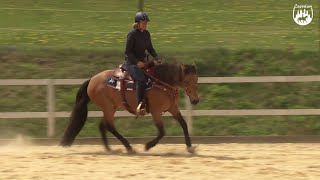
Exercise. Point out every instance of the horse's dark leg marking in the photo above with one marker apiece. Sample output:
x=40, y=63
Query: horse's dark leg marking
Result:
x=103, y=133
x=156, y=117
x=184, y=126
x=155, y=141
x=112, y=129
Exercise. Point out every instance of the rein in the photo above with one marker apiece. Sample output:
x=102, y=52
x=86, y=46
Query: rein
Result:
x=162, y=85
x=159, y=81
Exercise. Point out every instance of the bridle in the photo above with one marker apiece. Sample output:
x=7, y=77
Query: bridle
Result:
x=171, y=90
x=162, y=85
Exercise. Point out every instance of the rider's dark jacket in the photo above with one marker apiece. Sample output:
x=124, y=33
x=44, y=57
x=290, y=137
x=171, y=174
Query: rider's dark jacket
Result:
x=137, y=43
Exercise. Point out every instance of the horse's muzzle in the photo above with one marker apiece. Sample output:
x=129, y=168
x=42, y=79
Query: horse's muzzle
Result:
x=194, y=102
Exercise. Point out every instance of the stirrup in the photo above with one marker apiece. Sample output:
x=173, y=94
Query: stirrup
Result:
x=141, y=110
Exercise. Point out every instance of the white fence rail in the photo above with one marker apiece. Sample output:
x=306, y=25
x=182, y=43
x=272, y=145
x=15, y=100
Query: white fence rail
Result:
x=188, y=112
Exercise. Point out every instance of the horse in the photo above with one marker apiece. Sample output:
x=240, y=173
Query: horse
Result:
x=161, y=97
x=303, y=19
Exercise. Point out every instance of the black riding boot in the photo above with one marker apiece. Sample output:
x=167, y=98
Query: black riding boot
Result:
x=140, y=88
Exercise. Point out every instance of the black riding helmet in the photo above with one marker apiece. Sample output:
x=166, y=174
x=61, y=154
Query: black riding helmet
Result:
x=141, y=16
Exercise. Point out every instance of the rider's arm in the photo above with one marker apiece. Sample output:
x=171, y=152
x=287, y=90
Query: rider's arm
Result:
x=131, y=58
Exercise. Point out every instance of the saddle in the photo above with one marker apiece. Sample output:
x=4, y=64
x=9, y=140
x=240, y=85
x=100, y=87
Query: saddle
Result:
x=121, y=73
x=125, y=81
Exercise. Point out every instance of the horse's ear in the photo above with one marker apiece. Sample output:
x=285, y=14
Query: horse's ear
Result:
x=188, y=69
x=194, y=69
x=195, y=62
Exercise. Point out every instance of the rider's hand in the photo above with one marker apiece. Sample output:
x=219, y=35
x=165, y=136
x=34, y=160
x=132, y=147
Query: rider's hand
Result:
x=158, y=60
x=150, y=64
x=155, y=62
x=140, y=64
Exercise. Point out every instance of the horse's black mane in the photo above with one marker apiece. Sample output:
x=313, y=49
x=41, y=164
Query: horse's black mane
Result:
x=171, y=73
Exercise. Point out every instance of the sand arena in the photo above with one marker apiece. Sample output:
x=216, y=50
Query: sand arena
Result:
x=22, y=160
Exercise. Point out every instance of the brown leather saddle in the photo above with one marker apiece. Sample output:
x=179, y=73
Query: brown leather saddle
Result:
x=124, y=77
x=121, y=73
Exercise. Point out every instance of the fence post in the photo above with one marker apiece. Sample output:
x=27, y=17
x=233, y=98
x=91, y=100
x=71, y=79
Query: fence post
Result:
x=51, y=108
x=140, y=5
x=188, y=114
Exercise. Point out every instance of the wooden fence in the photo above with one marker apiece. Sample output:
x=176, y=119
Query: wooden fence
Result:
x=188, y=112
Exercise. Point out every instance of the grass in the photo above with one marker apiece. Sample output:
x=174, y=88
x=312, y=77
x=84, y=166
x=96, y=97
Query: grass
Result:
x=176, y=26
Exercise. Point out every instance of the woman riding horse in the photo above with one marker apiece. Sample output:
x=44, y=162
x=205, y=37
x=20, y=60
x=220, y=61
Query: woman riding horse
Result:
x=138, y=41
x=164, y=94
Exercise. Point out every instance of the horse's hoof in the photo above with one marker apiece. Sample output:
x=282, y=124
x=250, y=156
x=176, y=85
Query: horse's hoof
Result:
x=108, y=149
x=132, y=151
x=192, y=149
x=148, y=146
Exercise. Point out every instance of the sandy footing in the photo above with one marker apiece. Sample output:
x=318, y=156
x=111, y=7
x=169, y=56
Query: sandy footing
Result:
x=217, y=161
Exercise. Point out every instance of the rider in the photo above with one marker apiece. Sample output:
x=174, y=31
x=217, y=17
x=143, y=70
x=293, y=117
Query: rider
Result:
x=138, y=41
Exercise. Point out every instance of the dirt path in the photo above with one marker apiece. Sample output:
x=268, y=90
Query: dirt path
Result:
x=218, y=161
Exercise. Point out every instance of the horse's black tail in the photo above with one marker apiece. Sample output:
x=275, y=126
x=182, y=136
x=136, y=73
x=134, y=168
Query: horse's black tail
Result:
x=78, y=117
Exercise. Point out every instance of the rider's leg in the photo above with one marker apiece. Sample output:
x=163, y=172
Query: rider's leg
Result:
x=140, y=79
x=140, y=88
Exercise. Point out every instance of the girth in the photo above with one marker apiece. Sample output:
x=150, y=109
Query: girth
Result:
x=123, y=87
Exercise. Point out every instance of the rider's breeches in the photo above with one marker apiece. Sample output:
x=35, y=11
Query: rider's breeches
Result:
x=140, y=88
x=140, y=79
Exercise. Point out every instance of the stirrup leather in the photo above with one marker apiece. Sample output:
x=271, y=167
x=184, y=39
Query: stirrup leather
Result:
x=141, y=110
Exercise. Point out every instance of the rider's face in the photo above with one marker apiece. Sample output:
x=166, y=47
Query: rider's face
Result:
x=143, y=25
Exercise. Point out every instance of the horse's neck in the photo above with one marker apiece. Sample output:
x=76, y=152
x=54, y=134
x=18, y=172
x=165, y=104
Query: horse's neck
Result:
x=171, y=76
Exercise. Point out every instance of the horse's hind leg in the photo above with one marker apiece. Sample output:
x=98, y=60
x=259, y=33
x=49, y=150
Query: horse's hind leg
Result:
x=123, y=140
x=109, y=125
x=161, y=133
x=103, y=133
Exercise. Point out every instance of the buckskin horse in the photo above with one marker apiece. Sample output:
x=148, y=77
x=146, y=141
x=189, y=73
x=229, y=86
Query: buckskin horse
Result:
x=161, y=97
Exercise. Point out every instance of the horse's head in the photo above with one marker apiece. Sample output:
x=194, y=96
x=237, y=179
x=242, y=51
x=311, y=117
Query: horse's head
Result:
x=190, y=82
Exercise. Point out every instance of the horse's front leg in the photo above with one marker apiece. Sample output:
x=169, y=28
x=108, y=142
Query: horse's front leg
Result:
x=177, y=115
x=158, y=123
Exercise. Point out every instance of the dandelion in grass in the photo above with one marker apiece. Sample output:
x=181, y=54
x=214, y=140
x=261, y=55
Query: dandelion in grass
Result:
x=120, y=40
x=98, y=41
x=33, y=38
x=33, y=34
x=43, y=41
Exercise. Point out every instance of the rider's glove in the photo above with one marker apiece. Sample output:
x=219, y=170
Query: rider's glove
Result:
x=158, y=60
